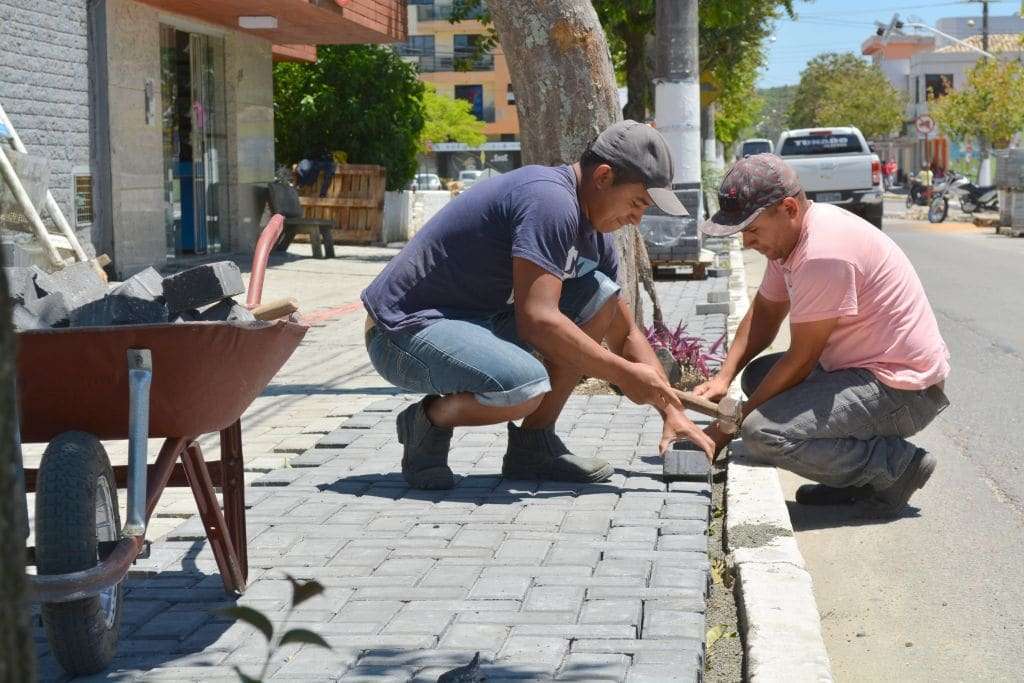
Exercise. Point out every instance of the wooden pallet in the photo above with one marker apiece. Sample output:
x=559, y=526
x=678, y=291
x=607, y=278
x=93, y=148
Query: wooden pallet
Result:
x=354, y=201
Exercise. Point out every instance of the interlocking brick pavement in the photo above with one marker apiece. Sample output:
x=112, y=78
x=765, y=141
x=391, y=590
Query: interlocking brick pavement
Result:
x=547, y=580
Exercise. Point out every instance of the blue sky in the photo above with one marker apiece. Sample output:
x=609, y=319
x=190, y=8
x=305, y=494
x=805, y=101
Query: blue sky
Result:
x=841, y=26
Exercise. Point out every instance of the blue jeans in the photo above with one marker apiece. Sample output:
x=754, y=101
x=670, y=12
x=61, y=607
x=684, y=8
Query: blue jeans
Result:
x=841, y=428
x=482, y=356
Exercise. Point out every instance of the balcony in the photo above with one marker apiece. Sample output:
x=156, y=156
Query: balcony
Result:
x=429, y=62
x=443, y=13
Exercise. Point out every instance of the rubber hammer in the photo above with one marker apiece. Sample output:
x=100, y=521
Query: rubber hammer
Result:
x=728, y=411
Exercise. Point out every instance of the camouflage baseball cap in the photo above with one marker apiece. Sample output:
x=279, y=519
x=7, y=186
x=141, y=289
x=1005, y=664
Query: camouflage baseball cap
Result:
x=751, y=186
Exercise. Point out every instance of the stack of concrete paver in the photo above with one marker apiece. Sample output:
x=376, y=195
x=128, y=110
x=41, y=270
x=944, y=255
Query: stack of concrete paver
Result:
x=76, y=296
x=548, y=581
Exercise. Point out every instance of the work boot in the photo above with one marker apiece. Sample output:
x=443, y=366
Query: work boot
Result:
x=425, y=452
x=540, y=454
x=820, y=494
x=893, y=499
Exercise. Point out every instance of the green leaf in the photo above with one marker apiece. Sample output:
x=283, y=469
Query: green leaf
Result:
x=304, y=591
x=303, y=635
x=245, y=678
x=251, y=617
x=716, y=633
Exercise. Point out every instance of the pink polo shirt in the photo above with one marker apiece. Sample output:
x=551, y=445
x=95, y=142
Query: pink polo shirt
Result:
x=843, y=267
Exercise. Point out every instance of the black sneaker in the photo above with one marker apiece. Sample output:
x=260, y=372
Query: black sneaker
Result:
x=893, y=499
x=820, y=494
x=425, y=456
x=540, y=454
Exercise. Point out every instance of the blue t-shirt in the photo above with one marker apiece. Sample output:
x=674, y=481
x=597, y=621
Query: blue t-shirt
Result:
x=459, y=265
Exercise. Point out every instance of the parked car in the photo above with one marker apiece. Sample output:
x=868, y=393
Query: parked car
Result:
x=425, y=181
x=467, y=178
x=755, y=146
x=836, y=166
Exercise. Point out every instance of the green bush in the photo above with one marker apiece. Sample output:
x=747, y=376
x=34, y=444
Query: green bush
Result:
x=360, y=99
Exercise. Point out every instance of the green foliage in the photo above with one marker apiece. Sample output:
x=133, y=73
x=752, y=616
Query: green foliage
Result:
x=844, y=90
x=449, y=120
x=362, y=99
x=990, y=107
x=772, y=120
x=301, y=592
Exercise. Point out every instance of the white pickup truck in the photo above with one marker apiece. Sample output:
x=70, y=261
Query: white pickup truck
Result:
x=836, y=166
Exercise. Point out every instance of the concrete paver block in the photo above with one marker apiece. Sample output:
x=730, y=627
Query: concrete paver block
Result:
x=147, y=284
x=684, y=461
x=202, y=285
x=119, y=310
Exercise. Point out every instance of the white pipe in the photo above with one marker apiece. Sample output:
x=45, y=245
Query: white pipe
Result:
x=51, y=204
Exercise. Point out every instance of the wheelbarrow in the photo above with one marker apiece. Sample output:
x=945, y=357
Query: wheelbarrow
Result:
x=79, y=386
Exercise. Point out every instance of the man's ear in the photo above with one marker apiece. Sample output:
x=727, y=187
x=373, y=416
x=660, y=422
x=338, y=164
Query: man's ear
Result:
x=603, y=176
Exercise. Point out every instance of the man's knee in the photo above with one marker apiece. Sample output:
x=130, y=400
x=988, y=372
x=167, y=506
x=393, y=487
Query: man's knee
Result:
x=521, y=410
x=762, y=437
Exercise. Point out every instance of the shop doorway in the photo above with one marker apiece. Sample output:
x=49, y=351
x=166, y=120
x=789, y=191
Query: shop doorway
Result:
x=194, y=141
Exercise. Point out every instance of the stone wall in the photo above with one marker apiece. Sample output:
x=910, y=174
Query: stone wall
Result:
x=44, y=80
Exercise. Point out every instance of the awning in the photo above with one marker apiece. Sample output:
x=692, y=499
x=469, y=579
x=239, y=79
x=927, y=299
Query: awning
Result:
x=301, y=22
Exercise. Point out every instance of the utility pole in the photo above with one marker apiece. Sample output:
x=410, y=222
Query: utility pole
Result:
x=677, y=117
x=677, y=94
x=984, y=25
x=985, y=168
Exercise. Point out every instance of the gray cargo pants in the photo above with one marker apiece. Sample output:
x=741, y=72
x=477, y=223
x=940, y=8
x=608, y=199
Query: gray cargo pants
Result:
x=842, y=428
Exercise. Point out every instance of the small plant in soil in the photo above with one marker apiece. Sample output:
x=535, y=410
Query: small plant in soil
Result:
x=690, y=352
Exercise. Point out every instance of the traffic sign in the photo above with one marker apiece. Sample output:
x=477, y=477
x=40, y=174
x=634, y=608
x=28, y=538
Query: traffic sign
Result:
x=924, y=124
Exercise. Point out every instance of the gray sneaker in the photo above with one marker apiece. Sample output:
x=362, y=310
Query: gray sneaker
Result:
x=425, y=456
x=540, y=454
x=893, y=499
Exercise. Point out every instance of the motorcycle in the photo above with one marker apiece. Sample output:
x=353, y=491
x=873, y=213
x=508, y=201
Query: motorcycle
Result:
x=938, y=205
x=918, y=194
x=972, y=197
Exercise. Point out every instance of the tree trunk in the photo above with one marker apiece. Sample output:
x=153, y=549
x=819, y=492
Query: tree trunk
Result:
x=565, y=93
x=17, y=663
x=638, y=76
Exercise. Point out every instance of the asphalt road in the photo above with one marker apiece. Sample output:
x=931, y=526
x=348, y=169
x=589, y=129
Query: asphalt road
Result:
x=938, y=594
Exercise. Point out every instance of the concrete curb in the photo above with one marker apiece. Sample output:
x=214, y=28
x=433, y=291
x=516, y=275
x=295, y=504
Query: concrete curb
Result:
x=775, y=596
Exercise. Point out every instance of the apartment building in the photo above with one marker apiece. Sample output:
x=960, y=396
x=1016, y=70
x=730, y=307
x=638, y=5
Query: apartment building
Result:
x=446, y=57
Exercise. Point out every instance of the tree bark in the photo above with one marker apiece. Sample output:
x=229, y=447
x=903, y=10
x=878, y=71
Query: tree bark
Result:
x=17, y=661
x=565, y=93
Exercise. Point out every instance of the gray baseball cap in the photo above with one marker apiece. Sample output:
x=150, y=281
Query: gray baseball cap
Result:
x=641, y=149
x=752, y=185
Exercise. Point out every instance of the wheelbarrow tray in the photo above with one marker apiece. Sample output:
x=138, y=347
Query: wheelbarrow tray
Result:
x=205, y=375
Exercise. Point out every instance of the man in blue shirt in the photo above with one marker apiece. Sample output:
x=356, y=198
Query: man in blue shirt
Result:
x=521, y=266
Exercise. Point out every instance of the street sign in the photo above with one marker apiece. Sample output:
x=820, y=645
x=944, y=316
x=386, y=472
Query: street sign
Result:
x=924, y=124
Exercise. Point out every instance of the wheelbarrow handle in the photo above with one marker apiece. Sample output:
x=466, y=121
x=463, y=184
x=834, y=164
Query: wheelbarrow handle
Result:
x=268, y=238
x=140, y=377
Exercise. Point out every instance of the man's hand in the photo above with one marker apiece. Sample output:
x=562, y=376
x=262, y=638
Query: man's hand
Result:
x=644, y=385
x=718, y=437
x=678, y=426
x=713, y=389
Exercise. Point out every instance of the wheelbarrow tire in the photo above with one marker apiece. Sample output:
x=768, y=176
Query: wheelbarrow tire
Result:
x=74, y=479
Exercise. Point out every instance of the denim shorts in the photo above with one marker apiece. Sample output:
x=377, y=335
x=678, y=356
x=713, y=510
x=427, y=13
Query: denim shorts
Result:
x=482, y=356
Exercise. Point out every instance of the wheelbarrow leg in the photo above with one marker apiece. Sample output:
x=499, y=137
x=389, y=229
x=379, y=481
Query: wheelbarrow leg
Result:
x=233, y=479
x=213, y=520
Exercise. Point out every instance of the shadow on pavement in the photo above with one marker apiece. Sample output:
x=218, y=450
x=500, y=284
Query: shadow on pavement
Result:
x=811, y=517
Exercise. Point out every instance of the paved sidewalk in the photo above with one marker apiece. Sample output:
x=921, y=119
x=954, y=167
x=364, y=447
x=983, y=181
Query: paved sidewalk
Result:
x=588, y=582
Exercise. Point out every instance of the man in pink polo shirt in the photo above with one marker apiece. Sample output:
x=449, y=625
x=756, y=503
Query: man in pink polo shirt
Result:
x=866, y=364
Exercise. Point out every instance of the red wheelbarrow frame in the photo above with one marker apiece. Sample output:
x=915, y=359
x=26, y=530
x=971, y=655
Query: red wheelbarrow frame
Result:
x=204, y=376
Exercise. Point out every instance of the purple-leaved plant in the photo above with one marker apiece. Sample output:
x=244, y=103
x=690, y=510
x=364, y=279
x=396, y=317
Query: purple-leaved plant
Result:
x=687, y=349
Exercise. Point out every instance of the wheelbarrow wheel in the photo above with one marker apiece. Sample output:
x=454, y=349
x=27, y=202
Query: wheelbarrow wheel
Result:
x=76, y=508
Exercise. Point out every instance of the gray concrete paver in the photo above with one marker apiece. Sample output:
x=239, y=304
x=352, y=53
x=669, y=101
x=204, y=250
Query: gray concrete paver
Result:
x=547, y=579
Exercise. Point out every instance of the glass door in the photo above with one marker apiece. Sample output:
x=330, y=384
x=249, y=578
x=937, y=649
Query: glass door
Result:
x=192, y=90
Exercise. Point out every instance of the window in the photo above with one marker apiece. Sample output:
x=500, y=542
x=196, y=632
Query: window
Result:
x=917, y=90
x=465, y=44
x=822, y=143
x=510, y=97
x=420, y=2
x=937, y=85
x=415, y=46
x=82, y=187
x=474, y=94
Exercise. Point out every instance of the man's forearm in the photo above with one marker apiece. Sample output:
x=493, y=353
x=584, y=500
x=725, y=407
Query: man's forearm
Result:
x=752, y=337
x=561, y=342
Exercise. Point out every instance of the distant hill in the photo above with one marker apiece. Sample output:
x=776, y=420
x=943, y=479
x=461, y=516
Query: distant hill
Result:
x=773, y=116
